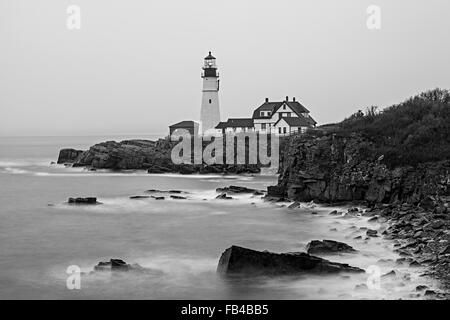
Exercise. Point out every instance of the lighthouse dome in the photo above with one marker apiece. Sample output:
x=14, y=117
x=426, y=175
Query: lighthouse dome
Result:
x=209, y=56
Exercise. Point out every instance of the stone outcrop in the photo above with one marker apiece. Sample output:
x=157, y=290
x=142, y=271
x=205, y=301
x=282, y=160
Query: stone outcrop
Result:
x=68, y=155
x=243, y=261
x=153, y=156
x=327, y=247
x=334, y=168
x=88, y=200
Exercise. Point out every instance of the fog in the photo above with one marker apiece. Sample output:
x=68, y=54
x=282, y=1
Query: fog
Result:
x=134, y=66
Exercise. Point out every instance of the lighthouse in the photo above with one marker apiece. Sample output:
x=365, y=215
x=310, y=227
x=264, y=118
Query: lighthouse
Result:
x=210, y=112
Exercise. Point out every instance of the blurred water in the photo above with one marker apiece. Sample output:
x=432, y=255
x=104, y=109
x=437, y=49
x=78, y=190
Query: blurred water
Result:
x=40, y=236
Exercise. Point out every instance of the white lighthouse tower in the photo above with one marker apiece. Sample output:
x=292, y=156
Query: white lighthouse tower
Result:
x=210, y=112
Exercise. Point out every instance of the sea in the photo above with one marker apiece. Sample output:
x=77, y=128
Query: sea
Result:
x=43, y=239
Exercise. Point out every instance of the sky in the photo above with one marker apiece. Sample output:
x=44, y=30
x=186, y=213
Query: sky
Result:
x=134, y=65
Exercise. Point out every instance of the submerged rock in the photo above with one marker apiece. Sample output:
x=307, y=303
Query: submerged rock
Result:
x=139, y=197
x=238, y=260
x=88, y=200
x=328, y=246
x=238, y=189
x=118, y=265
x=224, y=196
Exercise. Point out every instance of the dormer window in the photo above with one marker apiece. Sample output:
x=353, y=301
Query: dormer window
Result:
x=268, y=113
x=284, y=107
x=261, y=113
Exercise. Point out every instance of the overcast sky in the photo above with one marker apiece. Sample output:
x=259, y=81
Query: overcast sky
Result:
x=134, y=67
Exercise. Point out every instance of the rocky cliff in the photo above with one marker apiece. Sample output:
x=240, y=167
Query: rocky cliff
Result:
x=342, y=168
x=153, y=156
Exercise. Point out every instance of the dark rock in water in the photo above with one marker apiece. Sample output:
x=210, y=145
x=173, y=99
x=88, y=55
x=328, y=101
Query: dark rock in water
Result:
x=294, y=205
x=165, y=191
x=112, y=265
x=158, y=198
x=371, y=233
x=335, y=213
x=178, y=197
x=328, y=246
x=238, y=260
x=430, y=293
x=69, y=155
x=88, y=200
x=118, y=265
x=224, y=196
x=421, y=287
x=390, y=274
x=139, y=197
x=236, y=189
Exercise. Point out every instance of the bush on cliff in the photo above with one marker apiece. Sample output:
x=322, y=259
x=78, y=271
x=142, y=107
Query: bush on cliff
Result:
x=412, y=132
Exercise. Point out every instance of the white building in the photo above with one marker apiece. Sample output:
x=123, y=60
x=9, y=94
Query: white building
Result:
x=210, y=111
x=281, y=118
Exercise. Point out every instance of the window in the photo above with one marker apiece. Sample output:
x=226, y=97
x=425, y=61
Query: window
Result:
x=279, y=129
x=288, y=114
x=284, y=107
x=261, y=113
x=268, y=113
x=263, y=126
x=209, y=100
x=284, y=129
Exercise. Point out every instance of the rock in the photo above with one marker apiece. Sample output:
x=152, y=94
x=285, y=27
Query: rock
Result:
x=335, y=213
x=139, y=197
x=236, y=189
x=390, y=274
x=88, y=200
x=118, y=265
x=421, y=287
x=372, y=233
x=373, y=219
x=238, y=260
x=178, y=197
x=158, y=198
x=68, y=155
x=327, y=246
x=224, y=196
x=112, y=265
x=294, y=205
x=430, y=293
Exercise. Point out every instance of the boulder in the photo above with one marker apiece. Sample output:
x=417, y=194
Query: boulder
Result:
x=88, y=200
x=68, y=155
x=139, y=197
x=237, y=190
x=239, y=260
x=327, y=247
x=224, y=196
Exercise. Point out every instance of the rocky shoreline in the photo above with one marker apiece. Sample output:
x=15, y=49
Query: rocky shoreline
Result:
x=152, y=156
x=414, y=201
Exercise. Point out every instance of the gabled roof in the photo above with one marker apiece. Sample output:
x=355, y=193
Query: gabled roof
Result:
x=266, y=106
x=183, y=124
x=295, y=121
x=236, y=123
x=296, y=106
x=221, y=125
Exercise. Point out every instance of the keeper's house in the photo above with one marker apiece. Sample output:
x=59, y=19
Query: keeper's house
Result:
x=281, y=118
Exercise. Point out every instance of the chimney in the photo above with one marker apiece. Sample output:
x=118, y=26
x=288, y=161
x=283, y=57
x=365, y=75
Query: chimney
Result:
x=267, y=99
x=293, y=99
x=287, y=98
